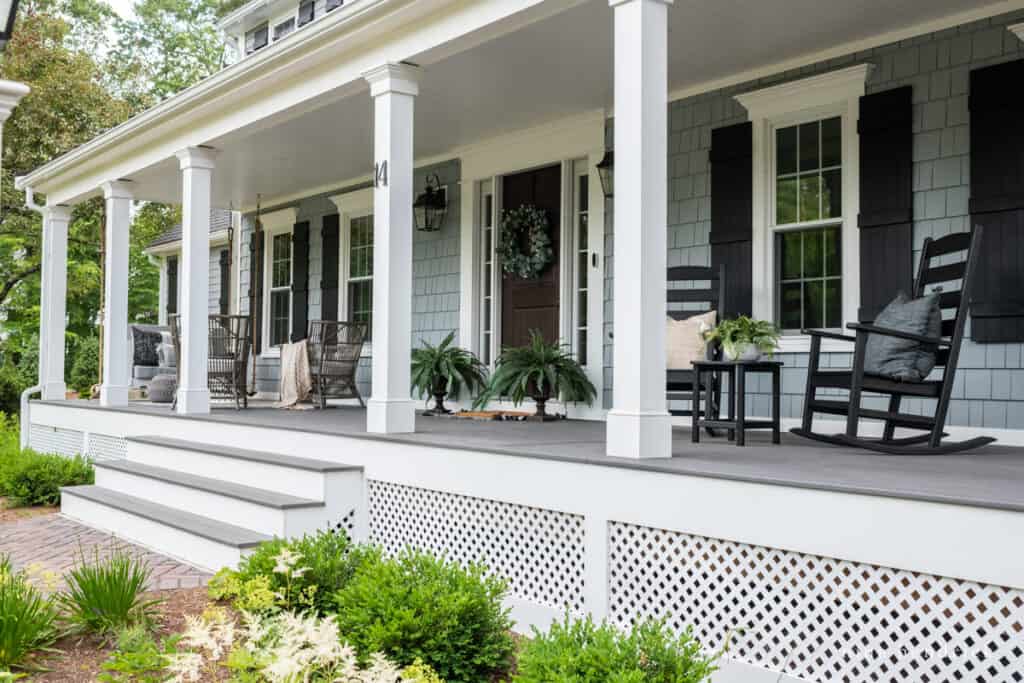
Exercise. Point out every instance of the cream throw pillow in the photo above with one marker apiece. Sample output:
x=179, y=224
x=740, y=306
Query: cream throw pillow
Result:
x=683, y=341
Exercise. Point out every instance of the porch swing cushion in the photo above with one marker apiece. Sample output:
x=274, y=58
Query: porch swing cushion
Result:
x=684, y=340
x=903, y=359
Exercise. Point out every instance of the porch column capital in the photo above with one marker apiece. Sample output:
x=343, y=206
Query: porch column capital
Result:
x=118, y=189
x=402, y=79
x=59, y=213
x=197, y=157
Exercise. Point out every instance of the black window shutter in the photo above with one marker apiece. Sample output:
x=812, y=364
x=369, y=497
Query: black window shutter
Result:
x=886, y=218
x=997, y=201
x=732, y=213
x=172, y=285
x=300, y=280
x=225, y=282
x=256, y=289
x=329, y=282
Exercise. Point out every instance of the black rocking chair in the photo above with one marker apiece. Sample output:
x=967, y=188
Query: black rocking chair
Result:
x=334, y=350
x=228, y=349
x=952, y=279
x=679, y=382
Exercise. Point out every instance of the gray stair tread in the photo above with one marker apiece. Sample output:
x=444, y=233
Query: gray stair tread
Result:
x=249, y=494
x=212, y=530
x=280, y=459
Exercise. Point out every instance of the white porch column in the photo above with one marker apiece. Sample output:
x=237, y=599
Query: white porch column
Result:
x=194, y=278
x=393, y=88
x=639, y=425
x=114, y=389
x=54, y=301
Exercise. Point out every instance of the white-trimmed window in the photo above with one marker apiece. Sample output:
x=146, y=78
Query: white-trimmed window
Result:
x=280, y=287
x=257, y=38
x=355, y=212
x=805, y=243
x=359, y=280
x=487, y=271
x=283, y=28
x=581, y=270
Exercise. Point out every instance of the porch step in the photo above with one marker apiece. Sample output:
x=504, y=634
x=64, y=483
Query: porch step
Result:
x=199, y=540
x=262, y=510
x=295, y=476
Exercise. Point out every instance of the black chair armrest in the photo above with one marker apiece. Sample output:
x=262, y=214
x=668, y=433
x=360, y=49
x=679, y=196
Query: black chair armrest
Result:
x=829, y=335
x=889, y=332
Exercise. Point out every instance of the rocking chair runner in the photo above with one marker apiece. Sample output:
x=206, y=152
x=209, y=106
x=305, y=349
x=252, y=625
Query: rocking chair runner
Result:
x=334, y=350
x=952, y=280
x=679, y=382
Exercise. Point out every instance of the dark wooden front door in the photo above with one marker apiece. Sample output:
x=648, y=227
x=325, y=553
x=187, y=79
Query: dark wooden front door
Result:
x=533, y=304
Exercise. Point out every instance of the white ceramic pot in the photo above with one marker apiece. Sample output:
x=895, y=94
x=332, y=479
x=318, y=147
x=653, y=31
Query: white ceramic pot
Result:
x=746, y=353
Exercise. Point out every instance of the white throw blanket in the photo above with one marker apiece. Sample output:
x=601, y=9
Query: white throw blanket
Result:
x=296, y=380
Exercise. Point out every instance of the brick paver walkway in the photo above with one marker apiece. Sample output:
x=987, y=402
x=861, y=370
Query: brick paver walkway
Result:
x=53, y=543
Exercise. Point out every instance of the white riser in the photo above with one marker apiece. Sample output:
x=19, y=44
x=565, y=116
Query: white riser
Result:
x=301, y=483
x=266, y=520
x=195, y=550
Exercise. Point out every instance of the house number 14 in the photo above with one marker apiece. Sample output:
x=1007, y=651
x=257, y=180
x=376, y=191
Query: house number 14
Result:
x=380, y=174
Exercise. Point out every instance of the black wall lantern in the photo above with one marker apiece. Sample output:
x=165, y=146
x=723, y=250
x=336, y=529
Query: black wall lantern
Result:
x=606, y=171
x=431, y=207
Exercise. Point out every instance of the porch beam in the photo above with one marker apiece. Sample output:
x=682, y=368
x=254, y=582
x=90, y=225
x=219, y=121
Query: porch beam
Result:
x=196, y=165
x=393, y=88
x=639, y=425
x=53, y=302
x=114, y=388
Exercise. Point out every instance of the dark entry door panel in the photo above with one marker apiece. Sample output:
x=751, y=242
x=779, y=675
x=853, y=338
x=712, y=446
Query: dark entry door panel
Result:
x=533, y=304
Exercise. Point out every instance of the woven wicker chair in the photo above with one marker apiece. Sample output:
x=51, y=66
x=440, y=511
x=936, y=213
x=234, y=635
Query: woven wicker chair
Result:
x=334, y=349
x=230, y=339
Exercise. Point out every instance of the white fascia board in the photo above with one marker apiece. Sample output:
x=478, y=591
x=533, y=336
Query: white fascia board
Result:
x=217, y=239
x=325, y=61
x=242, y=13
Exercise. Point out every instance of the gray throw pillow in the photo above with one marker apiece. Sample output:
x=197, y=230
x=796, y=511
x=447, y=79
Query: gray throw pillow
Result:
x=168, y=359
x=904, y=359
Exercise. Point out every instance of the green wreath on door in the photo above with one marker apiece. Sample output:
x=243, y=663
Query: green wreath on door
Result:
x=525, y=242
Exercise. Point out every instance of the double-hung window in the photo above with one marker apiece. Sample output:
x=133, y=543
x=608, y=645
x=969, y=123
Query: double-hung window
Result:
x=256, y=38
x=360, y=272
x=306, y=13
x=284, y=28
x=808, y=224
x=280, y=288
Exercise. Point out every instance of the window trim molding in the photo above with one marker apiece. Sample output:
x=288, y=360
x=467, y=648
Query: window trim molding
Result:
x=836, y=93
x=274, y=223
x=351, y=205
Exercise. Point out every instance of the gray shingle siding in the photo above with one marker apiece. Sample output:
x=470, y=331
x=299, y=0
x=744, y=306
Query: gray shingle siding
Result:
x=435, y=303
x=989, y=389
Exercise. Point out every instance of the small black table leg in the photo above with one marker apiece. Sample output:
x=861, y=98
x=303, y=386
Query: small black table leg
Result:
x=732, y=400
x=776, y=404
x=695, y=407
x=741, y=409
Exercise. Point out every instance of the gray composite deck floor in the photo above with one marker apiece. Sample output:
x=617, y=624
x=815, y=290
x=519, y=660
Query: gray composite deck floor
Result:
x=991, y=477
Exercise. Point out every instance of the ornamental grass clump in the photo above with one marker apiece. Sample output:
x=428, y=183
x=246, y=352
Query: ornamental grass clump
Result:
x=28, y=619
x=580, y=650
x=418, y=607
x=106, y=594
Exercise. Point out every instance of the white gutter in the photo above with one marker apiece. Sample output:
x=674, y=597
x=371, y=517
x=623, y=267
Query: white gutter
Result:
x=38, y=387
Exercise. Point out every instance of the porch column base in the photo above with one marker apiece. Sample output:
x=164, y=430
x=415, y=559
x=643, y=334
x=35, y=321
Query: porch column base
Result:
x=639, y=434
x=390, y=416
x=112, y=395
x=54, y=391
x=193, y=402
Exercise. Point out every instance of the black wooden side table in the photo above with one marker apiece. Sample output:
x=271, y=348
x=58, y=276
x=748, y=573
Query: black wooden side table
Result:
x=737, y=422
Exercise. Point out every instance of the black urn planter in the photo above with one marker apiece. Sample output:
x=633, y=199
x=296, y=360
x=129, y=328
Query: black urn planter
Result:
x=439, y=392
x=541, y=398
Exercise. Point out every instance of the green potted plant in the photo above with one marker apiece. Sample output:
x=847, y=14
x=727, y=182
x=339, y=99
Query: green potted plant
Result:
x=744, y=339
x=541, y=371
x=444, y=370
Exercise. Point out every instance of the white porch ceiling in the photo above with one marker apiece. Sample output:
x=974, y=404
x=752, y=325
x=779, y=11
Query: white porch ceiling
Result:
x=554, y=68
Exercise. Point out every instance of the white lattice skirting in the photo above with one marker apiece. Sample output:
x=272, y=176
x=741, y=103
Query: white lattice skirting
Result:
x=69, y=442
x=539, y=552
x=814, y=617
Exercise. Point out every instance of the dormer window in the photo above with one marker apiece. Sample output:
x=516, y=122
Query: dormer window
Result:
x=256, y=38
x=284, y=28
x=333, y=4
x=306, y=12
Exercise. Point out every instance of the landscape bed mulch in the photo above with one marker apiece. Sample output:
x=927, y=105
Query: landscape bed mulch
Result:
x=12, y=514
x=80, y=659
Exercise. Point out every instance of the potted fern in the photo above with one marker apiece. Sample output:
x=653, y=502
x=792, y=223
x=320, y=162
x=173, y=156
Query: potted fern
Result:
x=744, y=339
x=444, y=370
x=541, y=371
